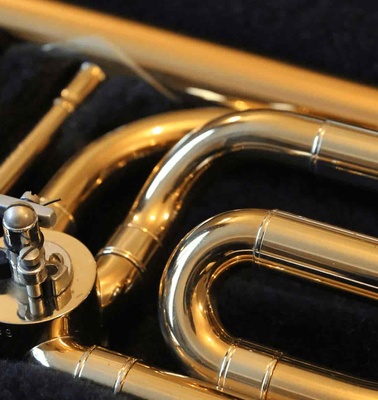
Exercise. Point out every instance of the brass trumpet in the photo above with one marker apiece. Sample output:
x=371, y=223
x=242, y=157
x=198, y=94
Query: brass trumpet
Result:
x=304, y=141
x=302, y=137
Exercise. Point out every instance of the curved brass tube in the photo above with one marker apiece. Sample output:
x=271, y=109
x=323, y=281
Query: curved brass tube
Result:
x=121, y=373
x=48, y=298
x=322, y=146
x=194, y=64
x=329, y=255
x=84, y=172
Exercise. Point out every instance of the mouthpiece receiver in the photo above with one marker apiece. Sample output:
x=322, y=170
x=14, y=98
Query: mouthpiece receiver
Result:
x=46, y=276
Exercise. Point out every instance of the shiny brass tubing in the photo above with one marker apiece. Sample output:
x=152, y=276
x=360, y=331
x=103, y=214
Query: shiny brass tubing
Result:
x=292, y=244
x=84, y=82
x=87, y=170
x=194, y=63
x=122, y=374
x=325, y=147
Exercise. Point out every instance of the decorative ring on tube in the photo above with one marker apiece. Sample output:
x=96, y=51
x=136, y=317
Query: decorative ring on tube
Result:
x=324, y=147
x=335, y=257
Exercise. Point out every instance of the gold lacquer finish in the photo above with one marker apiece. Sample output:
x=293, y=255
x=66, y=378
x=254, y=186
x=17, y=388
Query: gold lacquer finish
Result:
x=302, y=141
x=86, y=80
x=49, y=292
x=194, y=63
x=121, y=373
x=333, y=256
x=87, y=170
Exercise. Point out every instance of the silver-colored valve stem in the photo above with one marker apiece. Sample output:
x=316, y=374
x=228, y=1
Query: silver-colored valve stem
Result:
x=32, y=271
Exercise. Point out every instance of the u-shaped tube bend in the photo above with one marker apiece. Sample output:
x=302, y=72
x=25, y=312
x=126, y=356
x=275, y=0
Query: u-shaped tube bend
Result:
x=333, y=256
x=325, y=147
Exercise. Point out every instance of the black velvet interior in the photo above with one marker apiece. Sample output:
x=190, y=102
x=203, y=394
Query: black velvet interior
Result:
x=323, y=326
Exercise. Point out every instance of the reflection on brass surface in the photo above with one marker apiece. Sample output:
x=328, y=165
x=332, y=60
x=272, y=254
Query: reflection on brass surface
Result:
x=88, y=169
x=45, y=312
x=326, y=254
x=183, y=62
x=321, y=146
x=121, y=373
x=290, y=125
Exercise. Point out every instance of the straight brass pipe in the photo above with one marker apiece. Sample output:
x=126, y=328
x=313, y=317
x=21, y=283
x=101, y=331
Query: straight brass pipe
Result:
x=90, y=167
x=123, y=374
x=329, y=255
x=84, y=82
x=324, y=147
x=190, y=63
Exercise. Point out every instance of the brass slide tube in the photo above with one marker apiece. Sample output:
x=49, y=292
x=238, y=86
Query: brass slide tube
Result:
x=324, y=147
x=88, y=169
x=123, y=374
x=192, y=62
x=84, y=82
x=281, y=241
